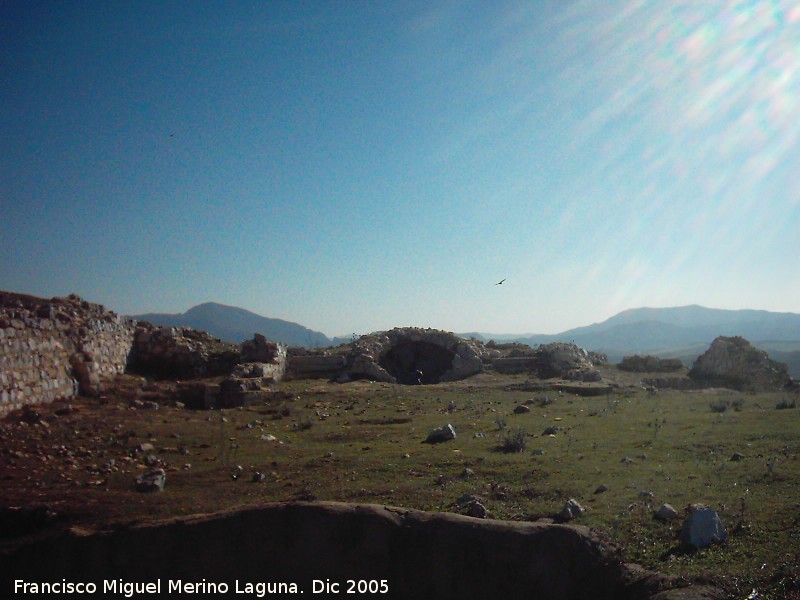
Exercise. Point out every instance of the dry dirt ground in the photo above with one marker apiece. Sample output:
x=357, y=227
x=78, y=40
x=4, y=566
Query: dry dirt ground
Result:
x=75, y=462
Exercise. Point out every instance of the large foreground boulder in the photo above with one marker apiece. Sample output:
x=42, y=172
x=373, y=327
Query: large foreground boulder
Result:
x=417, y=555
x=702, y=527
x=410, y=355
x=733, y=362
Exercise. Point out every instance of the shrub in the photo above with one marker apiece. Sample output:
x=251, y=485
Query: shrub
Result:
x=720, y=406
x=514, y=442
x=786, y=403
x=303, y=425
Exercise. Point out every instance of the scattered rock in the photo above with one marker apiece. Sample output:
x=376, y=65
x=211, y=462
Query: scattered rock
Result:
x=467, y=473
x=152, y=481
x=552, y=430
x=702, y=527
x=467, y=499
x=258, y=477
x=477, y=510
x=736, y=457
x=31, y=416
x=601, y=488
x=646, y=494
x=666, y=513
x=572, y=509
x=443, y=434
x=522, y=409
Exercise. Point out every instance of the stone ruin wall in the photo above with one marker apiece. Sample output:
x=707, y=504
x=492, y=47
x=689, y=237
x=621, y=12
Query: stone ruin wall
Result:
x=60, y=348
x=52, y=349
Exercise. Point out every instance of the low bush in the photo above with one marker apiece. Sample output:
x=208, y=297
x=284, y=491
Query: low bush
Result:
x=720, y=406
x=514, y=442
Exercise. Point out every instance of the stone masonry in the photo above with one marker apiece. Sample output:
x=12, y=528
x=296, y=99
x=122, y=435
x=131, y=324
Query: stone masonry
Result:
x=51, y=349
x=59, y=348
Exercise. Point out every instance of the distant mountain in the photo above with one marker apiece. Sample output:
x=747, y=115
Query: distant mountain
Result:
x=237, y=324
x=684, y=332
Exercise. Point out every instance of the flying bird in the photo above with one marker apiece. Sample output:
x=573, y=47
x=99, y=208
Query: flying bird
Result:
x=500, y=282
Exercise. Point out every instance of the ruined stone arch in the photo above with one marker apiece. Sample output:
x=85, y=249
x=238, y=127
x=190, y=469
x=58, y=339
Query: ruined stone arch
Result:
x=395, y=356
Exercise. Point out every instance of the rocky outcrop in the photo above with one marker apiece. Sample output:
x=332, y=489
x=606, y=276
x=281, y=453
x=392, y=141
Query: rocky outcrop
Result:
x=411, y=355
x=567, y=361
x=650, y=364
x=418, y=555
x=57, y=348
x=733, y=362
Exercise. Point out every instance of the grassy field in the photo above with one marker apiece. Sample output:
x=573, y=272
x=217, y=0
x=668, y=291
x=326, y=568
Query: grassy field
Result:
x=364, y=442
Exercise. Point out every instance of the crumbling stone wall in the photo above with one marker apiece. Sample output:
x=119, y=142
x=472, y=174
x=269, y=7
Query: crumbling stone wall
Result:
x=315, y=366
x=558, y=359
x=57, y=348
x=180, y=353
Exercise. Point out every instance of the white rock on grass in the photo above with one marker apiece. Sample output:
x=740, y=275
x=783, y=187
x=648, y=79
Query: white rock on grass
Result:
x=703, y=527
x=152, y=481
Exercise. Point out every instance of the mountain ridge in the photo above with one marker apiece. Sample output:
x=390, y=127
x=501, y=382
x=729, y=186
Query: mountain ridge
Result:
x=678, y=332
x=234, y=324
x=682, y=332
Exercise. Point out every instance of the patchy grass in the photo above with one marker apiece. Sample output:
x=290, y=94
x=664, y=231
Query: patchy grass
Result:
x=363, y=442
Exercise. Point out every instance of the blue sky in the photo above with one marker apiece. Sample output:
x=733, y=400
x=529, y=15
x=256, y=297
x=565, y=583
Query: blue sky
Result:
x=355, y=166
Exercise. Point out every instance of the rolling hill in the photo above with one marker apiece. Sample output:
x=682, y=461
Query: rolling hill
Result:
x=235, y=324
